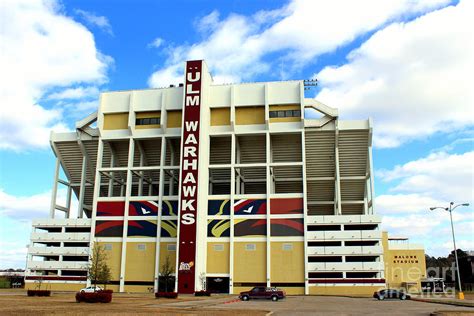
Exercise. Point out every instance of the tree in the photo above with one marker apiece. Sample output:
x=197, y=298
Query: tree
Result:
x=98, y=270
x=167, y=269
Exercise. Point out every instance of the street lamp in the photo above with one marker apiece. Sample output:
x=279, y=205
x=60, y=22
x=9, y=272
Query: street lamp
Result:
x=450, y=209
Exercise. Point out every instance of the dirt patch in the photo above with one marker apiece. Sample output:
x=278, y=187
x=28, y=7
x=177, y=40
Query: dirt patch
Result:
x=17, y=303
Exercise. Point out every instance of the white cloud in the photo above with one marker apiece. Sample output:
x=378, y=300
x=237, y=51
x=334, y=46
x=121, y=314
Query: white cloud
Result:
x=25, y=208
x=13, y=255
x=16, y=213
x=447, y=177
x=432, y=230
x=430, y=181
x=75, y=93
x=413, y=203
x=96, y=20
x=413, y=78
x=156, y=43
x=236, y=47
x=41, y=49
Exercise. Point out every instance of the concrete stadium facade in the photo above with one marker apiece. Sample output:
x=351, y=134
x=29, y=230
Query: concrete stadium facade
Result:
x=230, y=183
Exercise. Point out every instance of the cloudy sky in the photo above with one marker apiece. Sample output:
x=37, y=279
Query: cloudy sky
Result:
x=403, y=63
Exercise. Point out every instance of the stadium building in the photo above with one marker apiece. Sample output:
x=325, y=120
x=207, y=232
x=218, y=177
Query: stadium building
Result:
x=230, y=183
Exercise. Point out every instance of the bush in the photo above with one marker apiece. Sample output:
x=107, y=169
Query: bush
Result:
x=166, y=294
x=38, y=293
x=104, y=296
x=202, y=293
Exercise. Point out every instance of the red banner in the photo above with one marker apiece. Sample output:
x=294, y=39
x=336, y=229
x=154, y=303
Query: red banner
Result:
x=189, y=177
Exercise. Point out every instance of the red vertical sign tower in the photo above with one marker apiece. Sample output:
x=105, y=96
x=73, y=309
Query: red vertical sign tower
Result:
x=189, y=177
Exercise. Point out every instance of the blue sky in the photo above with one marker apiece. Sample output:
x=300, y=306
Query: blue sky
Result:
x=403, y=63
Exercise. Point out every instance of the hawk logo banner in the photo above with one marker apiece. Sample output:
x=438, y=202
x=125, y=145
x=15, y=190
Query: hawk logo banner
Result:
x=110, y=208
x=189, y=175
x=143, y=208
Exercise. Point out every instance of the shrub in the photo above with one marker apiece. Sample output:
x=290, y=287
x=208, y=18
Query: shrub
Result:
x=202, y=293
x=38, y=293
x=166, y=294
x=104, y=296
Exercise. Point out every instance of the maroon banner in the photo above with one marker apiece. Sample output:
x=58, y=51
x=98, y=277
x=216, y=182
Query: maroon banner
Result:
x=346, y=281
x=189, y=177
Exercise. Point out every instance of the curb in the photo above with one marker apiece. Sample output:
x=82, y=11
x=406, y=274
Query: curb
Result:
x=453, y=303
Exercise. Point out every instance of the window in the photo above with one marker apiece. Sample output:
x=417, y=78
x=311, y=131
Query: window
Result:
x=250, y=247
x=148, y=121
x=107, y=247
x=219, y=247
x=285, y=113
x=287, y=247
x=171, y=247
x=141, y=247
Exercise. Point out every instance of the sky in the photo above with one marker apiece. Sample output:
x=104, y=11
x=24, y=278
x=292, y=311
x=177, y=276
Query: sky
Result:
x=405, y=64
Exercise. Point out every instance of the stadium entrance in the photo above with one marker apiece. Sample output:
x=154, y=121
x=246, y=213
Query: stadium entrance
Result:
x=218, y=285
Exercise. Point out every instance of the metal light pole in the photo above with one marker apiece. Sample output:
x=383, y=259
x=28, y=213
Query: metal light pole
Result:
x=450, y=209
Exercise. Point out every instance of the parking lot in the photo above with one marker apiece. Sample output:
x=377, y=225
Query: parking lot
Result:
x=15, y=302
x=324, y=305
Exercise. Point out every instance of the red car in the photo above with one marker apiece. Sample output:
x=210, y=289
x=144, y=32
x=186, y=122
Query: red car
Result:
x=261, y=292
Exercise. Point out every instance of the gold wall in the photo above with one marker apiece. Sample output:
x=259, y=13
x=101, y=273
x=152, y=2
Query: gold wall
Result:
x=57, y=286
x=220, y=116
x=113, y=258
x=217, y=261
x=250, y=266
x=140, y=264
x=355, y=290
x=250, y=115
x=137, y=288
x=404, y=268
x=115, y=121
x=173, y=119
x=287, y=265
x=164, y=252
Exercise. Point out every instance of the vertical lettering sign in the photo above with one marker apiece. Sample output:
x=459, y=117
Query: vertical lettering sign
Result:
x=189, y=177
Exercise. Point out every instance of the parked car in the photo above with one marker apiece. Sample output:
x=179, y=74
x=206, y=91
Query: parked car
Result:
x=391, y=293
x=91, y=289
x=261, y=292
